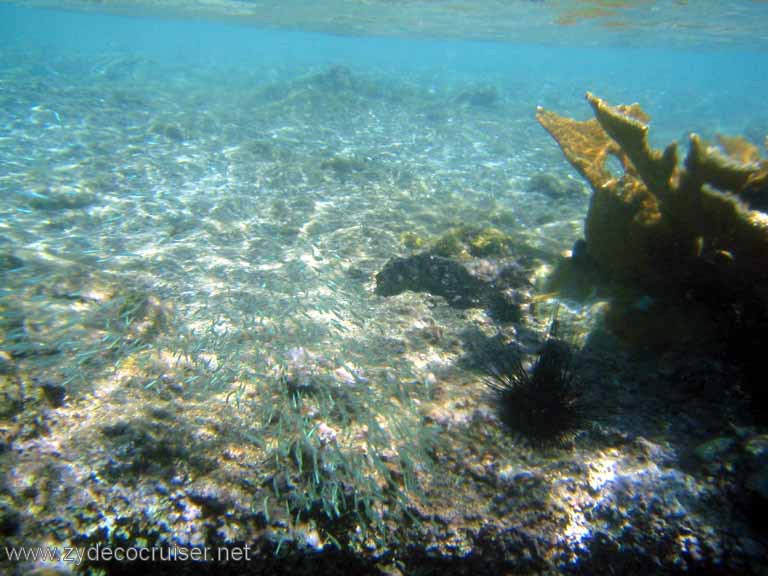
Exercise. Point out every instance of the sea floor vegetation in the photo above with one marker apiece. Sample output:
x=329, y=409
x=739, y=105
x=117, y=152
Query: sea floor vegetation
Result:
x=193, y=351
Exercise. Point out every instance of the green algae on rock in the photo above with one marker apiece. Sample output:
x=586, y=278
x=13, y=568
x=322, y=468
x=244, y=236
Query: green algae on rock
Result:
x=475, y=241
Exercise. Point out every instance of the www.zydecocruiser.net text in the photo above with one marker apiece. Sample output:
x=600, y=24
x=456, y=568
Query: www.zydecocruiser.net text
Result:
x=98, y=553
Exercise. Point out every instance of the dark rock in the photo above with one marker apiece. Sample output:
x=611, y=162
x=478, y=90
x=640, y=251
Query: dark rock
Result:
x=505, y=298
x=10, y=520
x=54, y=393
x=210, y=500
x=712, y=452
x=504, y=306
x=511, y=275
x=463, y=287
x=436, y=275
x=757, y=464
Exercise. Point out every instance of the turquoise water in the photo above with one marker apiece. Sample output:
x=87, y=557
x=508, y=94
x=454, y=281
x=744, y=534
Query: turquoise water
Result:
x=196, y=203
x=703, y=87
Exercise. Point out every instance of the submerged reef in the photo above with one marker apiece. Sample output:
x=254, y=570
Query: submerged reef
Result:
x=480, y=96
x=197, y=360
x=689, y=234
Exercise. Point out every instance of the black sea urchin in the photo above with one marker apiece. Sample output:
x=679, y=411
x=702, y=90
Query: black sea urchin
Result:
x=543, y=403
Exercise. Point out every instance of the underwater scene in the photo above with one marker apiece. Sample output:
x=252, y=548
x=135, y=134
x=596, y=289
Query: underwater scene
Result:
x=387, y=288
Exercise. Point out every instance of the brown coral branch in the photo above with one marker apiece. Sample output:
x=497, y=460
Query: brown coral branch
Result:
x=656, y=226
x=627, y=125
